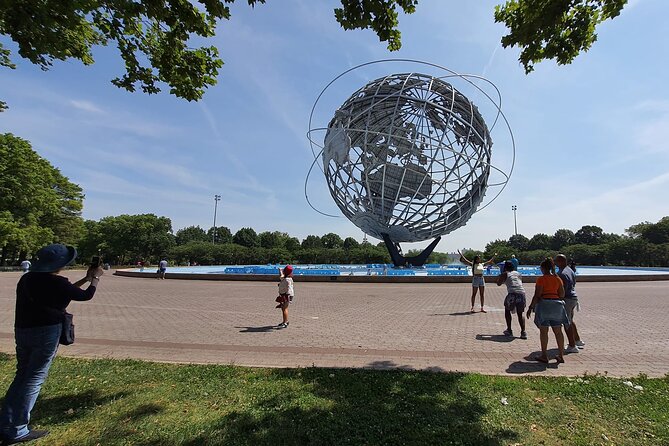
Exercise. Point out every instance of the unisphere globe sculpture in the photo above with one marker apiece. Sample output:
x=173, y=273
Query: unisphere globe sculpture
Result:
x=407, y=158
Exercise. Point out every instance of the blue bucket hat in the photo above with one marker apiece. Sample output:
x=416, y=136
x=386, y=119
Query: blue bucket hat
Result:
x=53, y=257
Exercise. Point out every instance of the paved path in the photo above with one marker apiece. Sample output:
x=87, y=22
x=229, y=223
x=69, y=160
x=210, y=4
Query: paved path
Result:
x=424, y=326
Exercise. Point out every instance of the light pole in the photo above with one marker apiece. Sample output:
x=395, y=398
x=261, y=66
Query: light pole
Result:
x=217, y=198
x=515, y=223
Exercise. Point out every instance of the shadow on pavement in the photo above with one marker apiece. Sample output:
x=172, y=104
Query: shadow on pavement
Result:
x=494, y=338
x=521, y=367
x=388, y=365
x=531, y=365
x=264, y=329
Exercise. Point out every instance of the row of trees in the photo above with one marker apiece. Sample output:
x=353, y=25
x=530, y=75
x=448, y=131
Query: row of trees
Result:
x=644, y=244
x=128, y=238
x=269, y=239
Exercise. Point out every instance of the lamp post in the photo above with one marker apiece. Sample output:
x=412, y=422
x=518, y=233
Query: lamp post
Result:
x=515, y=223
x=217, y=198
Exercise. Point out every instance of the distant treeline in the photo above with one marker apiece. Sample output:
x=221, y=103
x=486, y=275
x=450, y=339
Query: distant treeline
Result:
x=644, y=244
x=127, y=239
x=130, y=238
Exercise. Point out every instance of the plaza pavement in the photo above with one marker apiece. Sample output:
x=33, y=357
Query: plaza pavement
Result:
x=418, y=326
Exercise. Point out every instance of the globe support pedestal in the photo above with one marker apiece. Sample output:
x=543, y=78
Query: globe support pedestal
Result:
x=399, y=260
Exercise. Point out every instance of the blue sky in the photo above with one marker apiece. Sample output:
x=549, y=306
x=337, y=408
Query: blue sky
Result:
x=591, y=137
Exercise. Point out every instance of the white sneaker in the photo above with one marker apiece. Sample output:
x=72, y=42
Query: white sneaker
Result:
x=580, y=344
x=570, y=349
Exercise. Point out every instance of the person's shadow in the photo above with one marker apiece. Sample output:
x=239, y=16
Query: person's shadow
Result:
x=264, y=329
x=531, y=365
x=494, y=338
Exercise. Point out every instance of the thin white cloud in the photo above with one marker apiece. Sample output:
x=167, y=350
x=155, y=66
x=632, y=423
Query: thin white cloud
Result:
x=85, y=106
x=490, y=60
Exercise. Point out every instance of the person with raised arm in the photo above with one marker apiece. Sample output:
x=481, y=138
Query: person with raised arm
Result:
x=478, y=283
x=42, y=295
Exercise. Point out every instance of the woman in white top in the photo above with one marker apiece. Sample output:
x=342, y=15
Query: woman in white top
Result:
x=477, y=281
x=286, y=293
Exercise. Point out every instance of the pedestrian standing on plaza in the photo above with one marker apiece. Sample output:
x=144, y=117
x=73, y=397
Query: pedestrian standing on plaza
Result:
x=42, y=295
x=478, y=283
x=25, y=266
x=549, y=310
x=515, y=262
x=515, y=298
x=570, y=302
x=286, y=293
x=162, y=268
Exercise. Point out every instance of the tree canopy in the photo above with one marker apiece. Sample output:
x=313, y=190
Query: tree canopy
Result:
x=222, y=235
x=154, y=38
x=191, y=234
x=246, y=237
x=589, y=235
x=558, y=30
x=128, y=238
x=38, y=204
x=651, y=232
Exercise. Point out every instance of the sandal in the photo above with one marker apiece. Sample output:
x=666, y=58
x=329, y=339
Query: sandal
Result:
x=542, y=359
x=560, y=359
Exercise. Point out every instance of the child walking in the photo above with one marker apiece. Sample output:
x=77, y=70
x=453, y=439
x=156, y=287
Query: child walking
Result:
x=286, y=293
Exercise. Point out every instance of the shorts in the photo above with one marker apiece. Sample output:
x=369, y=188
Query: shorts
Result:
x=551, y=313
x=162, y=270
x=478, y=281
x=570, y=305
x=515, y=302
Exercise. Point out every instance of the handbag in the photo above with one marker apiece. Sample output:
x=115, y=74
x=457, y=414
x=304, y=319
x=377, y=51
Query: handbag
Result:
x=67, y=331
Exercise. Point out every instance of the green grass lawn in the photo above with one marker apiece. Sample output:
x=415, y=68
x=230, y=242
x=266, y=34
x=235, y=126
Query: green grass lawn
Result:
x=111, y=402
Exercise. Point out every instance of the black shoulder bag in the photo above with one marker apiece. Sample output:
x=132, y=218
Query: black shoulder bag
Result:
x=67, y=331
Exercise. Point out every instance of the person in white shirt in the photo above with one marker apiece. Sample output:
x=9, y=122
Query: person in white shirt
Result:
x=162, y=267
x=286, y=293
x=515, y=300
x=478, y=283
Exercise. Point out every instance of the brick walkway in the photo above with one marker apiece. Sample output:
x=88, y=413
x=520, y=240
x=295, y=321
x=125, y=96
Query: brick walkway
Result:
x=423, y=326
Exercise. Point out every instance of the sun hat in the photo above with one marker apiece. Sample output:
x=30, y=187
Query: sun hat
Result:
x=288, y=270
x=53, y=257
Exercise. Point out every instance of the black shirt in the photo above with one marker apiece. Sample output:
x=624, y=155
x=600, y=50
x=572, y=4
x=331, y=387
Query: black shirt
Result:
x=41, y=299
